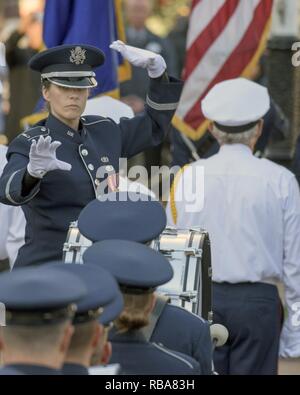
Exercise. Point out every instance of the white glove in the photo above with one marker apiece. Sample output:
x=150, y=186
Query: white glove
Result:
x=42, y=158
x=154, y=63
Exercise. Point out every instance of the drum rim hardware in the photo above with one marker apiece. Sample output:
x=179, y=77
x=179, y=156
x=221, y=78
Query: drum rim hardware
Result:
x=72, y=246
x=188, y=251
x=171, y=230
x=187, y=296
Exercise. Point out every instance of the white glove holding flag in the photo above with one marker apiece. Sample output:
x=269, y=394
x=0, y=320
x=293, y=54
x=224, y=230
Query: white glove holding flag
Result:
x=42, y=158
x=154, y=63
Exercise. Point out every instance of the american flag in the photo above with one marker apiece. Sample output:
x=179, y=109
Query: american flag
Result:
x=225, y=40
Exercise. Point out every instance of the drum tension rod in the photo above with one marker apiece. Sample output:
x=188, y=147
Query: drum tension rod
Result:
x=188, y=296
x=196, y=252
x=72, y=246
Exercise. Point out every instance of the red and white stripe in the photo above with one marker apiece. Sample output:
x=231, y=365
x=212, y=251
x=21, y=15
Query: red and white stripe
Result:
x=223, y=38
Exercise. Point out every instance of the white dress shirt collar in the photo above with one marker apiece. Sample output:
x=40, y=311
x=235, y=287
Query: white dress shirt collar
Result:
x=230, y=148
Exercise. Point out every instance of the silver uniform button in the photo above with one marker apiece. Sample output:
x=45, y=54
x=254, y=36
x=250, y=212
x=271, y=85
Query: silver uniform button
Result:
x=109, y=168
x=97, y=182
x=85, y=152
x=91, y=167
x=43, y=129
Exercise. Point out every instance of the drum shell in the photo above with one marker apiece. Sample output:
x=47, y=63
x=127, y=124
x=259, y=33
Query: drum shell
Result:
x=188, y=251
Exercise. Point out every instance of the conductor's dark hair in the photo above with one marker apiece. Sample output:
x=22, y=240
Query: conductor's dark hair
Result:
x=46, y=83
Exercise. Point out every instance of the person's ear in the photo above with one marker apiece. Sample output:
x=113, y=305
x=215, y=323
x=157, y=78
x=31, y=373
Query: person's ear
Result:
x=98, y=333
x=106, y=353
x=45, y=93
x=151, y=304
x=211, y=129
x=260, y=127
x=66, y=339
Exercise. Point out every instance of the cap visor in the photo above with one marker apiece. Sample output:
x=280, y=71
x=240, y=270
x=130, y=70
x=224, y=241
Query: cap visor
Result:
x=79, y=83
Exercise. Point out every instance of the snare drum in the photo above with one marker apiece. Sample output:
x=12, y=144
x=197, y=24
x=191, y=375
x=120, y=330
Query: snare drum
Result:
x=75, y=245
x=188, y=251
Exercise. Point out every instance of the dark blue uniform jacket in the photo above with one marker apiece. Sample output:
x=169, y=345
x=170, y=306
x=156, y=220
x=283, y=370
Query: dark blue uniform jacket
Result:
x=60, y=196
x=137, y=356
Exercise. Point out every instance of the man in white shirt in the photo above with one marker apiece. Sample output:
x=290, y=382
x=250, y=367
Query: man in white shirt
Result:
x=12, y=222
x=251, y=209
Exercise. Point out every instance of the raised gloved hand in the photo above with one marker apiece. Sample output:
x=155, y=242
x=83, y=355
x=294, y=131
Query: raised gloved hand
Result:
x=42, y=158
x=154, y=63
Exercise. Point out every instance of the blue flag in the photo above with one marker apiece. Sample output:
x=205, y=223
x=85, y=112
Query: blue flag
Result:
x=93, y=22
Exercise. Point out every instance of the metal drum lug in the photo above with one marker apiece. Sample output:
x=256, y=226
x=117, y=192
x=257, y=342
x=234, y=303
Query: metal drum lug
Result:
x=197, y=253
x=72, y=247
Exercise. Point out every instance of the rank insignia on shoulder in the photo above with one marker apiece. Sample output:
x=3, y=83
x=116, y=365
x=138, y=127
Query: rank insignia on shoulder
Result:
x=35, y=132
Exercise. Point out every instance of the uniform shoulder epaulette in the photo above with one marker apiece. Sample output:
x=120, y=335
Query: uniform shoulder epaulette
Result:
x=35, y=132
x=93, y=119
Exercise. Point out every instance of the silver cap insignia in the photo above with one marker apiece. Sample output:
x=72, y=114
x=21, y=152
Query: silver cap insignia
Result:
x=78, y=55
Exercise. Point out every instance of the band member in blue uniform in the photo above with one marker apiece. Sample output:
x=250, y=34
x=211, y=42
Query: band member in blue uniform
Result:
x=139, y=270
x=102, y=355
x=132, y=216
x=89, y=336
x=52, y=167
x=40, y=306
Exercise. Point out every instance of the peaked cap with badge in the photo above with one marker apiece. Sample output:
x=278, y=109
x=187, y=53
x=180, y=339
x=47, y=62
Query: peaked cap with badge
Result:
x=70, y=66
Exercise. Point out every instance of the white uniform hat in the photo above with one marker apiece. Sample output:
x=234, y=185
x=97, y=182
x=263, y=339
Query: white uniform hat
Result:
x=236, y=105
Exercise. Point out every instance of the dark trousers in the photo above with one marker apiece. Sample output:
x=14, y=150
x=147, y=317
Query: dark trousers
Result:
x=252, y=314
